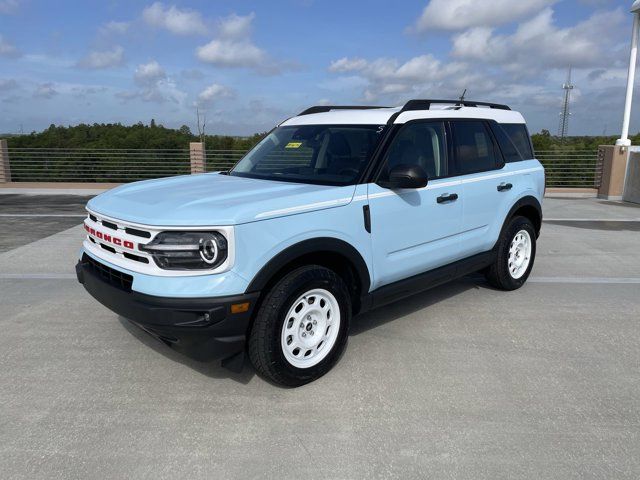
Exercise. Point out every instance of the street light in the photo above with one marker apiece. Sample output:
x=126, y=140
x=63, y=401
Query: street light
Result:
x=624, y=138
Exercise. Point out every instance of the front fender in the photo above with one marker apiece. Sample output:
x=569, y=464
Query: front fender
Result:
x=266, y=246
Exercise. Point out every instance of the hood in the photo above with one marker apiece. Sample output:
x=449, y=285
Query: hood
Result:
x=214, y=199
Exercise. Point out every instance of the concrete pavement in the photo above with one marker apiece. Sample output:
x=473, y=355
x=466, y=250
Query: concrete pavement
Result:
x=459, y=382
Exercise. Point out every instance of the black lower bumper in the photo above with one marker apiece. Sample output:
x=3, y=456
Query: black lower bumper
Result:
x=202, y=328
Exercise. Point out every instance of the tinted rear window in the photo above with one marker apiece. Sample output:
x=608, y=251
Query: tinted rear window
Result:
x=473, y=147
x=520, y=137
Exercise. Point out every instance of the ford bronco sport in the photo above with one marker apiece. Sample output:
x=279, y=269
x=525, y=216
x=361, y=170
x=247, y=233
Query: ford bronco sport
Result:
x=338, y=210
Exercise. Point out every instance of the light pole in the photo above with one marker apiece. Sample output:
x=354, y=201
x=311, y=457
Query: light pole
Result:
x=624, y=138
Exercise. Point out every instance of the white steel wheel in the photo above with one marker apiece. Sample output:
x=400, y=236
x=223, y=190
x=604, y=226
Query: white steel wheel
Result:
x=519, y=254
x=310, y=328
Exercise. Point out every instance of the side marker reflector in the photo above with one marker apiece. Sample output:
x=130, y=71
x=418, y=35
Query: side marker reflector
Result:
x=240, y=307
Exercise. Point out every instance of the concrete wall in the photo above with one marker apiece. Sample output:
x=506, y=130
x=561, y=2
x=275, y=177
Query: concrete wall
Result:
x=198, y=157
x=632, y=183
x=614, y=169
x=5, y=170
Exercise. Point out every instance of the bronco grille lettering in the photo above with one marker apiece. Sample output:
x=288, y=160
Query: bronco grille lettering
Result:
x=109, y=238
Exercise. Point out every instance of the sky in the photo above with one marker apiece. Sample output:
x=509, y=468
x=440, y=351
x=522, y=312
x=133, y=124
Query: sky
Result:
x=248, y=65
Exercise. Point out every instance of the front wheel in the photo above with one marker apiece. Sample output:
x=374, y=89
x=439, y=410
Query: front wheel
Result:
x=515, y=255
x=301, y=327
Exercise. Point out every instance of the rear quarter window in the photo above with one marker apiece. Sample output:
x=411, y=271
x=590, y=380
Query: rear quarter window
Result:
x=519, y=135
x=509, y=151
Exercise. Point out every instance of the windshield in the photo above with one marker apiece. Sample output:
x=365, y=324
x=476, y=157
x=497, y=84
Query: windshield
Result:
x=324, y=154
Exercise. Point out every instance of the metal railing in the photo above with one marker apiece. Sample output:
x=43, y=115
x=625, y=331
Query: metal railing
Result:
x=571, y=169
x=582, y=168
x=223, y=159
x=108, y=165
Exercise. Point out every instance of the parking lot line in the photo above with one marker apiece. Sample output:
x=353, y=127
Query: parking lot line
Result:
x=588, y=280
x=37, y=276
x=41, y=215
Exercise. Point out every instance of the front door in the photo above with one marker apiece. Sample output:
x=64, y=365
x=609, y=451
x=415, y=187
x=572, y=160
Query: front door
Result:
x=415, y=230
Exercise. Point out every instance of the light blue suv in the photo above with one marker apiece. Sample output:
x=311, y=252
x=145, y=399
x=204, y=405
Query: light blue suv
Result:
x=337, y=211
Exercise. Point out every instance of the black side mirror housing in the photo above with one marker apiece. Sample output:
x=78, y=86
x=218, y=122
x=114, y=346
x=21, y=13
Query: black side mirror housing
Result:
x=406, y=176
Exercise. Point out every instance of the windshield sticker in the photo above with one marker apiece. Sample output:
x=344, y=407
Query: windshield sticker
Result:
x=293, y=145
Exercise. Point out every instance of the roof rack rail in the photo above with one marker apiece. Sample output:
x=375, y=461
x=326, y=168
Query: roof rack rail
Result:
x=328, y=108
x=426, y=104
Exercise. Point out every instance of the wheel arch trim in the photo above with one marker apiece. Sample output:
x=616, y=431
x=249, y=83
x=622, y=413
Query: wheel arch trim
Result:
x=526, y=201
x=311, y=246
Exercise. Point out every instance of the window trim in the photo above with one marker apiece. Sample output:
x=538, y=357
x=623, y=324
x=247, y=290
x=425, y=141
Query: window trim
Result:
x=496, y=148
x=381, y=158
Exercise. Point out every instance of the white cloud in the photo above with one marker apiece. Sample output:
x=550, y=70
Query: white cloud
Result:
x=234, y=47
x=45, y=90
x=164, y=91
x=236, y=26
x=9, y=6
x=389, y=76
x=213, y=92
x=462, y=14
x=175, y=20
x=149, y=73
x=154, y=86
x=231, y=53
x=100, y=59
x=7, y=49
x=538, y=42
x=523, y=65
x=347, y=65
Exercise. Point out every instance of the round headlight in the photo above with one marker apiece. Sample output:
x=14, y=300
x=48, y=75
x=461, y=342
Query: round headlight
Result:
x=188, y=250
x=209, y=250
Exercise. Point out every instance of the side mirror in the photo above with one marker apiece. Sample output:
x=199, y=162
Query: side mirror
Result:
x=406, y=176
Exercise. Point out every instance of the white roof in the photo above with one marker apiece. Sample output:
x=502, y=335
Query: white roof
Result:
x=380, y=116
x=374, y=116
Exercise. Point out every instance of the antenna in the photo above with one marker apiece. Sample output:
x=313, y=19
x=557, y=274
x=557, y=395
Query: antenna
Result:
x=462, y=96
x=563, y=128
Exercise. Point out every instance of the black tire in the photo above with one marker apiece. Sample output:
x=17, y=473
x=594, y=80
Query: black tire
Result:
x=498, y=275
x=265, y=344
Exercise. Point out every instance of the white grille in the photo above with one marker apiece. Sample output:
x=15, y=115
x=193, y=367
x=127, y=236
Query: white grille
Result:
x=119, y=242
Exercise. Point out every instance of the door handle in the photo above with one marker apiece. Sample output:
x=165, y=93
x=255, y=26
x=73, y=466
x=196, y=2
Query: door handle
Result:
x=503, y=187
x=447, y=197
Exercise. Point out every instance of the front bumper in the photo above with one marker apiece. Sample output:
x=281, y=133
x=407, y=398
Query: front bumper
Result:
x=201, y=328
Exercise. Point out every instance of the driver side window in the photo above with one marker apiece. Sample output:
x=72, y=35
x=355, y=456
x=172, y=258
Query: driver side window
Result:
x=418, y=143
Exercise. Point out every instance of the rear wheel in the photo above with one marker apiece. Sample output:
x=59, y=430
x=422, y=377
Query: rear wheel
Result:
x=515, y=255
x=301, y=327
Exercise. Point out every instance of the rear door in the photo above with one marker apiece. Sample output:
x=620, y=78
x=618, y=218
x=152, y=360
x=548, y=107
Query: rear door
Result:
x=415, y=230
x=486, y=183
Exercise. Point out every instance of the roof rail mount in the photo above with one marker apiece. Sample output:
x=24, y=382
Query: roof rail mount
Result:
x=426, y=104
x=328, y=108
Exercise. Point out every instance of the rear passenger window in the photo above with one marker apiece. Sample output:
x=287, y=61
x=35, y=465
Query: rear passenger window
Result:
x=474, y=147
x=509, y=150
x=519, y=135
